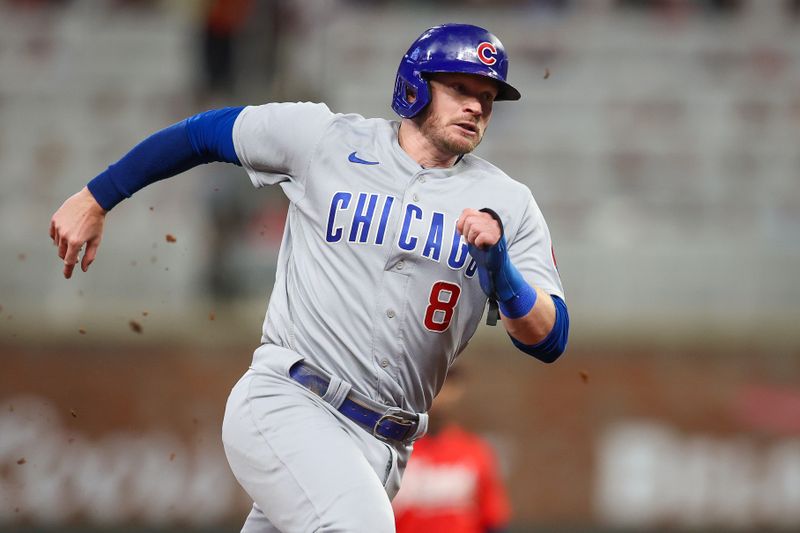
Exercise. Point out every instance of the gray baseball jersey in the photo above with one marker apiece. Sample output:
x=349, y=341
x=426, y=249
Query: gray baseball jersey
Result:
x=374, y=284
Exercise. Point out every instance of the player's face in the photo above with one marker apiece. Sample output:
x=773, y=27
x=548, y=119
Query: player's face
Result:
x=460, y=109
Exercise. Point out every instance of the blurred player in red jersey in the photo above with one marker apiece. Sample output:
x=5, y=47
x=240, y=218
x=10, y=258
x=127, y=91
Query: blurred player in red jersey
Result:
x=452, y=483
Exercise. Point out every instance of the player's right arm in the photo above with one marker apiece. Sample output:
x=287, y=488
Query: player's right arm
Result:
x=79, y=221
x=273, y=142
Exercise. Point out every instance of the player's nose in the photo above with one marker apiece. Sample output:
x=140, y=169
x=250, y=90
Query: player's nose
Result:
x=476, y=108
x=472, y=105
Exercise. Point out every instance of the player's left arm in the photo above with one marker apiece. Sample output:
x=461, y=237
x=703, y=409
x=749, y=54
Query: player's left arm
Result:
x=536, y=321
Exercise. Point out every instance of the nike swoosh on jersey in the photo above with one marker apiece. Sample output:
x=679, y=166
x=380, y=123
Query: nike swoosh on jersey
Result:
x=353, y=158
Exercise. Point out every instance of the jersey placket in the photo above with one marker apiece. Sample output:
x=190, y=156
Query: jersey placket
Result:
x=391, y=343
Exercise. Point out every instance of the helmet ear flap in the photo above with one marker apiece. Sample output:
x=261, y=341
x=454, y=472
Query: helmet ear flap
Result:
x=423, y=94
x=410, y=96
x=405, y=91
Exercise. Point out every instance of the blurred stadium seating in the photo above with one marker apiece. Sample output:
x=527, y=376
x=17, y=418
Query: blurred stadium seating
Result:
x=662, y=147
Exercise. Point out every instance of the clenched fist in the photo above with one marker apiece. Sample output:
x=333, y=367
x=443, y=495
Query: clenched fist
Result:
x=479, y=228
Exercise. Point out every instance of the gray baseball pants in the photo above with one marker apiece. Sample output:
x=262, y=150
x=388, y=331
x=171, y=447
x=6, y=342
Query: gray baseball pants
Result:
x=306, y=466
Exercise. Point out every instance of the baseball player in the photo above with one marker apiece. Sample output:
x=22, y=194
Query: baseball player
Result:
x=396, y=236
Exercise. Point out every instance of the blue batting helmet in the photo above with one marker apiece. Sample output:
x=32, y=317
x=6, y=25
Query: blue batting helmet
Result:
x=449, y=48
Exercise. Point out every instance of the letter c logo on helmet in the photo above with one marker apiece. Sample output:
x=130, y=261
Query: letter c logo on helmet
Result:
x=486, y=53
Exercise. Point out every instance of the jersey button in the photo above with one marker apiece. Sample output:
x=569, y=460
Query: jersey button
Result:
x=415, y=197
x=400, y=264
x=384, y=363
x=421, y=179
x=390, y=313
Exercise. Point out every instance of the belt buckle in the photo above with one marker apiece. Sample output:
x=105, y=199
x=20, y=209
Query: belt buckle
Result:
x=391, y=414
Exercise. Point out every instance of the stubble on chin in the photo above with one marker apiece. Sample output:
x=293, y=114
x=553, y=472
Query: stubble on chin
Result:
x=434, y=128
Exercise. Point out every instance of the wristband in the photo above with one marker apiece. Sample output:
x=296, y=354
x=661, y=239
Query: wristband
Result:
x=500, y=279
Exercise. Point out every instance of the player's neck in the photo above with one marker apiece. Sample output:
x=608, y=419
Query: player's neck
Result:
x=421, y=150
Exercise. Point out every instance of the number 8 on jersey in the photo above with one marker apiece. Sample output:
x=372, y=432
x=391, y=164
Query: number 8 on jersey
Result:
x=441, y=305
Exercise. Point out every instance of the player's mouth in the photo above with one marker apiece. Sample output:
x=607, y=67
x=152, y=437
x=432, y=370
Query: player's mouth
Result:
x=467, y=128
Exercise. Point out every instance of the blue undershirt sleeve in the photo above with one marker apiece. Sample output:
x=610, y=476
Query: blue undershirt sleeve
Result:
x=199, y=139
x=552, y=346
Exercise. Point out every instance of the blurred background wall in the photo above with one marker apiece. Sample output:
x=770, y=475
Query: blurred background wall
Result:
x=661, y=139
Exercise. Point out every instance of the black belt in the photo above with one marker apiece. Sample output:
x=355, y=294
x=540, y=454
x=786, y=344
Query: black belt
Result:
x=390, y=423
